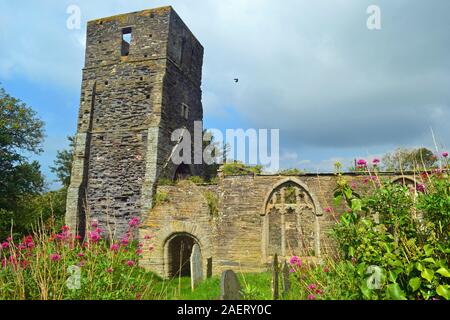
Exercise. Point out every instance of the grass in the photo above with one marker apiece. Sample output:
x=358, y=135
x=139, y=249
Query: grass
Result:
x=254, y=286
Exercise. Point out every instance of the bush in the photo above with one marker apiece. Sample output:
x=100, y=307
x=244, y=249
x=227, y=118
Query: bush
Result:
x=57, y=266
x=291, y=172
x=404, y=253
x=238, y=168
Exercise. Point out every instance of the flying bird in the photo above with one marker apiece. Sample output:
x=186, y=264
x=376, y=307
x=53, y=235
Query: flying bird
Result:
x=236, y=80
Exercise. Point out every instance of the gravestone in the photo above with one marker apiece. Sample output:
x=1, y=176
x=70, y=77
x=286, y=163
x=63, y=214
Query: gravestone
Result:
x=230, y=288
x=286, y=282
x=196, y=266
x=209, y=267
x=275, y=270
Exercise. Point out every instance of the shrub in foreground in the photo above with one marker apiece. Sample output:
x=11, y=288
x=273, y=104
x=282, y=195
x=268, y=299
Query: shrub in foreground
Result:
x=60, y=265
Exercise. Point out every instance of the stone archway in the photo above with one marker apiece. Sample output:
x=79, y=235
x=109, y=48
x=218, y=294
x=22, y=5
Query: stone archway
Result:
x=183, y=172
x=404, y=181
x=178, y=249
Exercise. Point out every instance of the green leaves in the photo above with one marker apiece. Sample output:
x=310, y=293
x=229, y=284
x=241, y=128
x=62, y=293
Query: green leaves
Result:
x=394, y=292
x=415, y=283
x=356, y=204
x=427, y=274
x=443, y=291
x=443, y=272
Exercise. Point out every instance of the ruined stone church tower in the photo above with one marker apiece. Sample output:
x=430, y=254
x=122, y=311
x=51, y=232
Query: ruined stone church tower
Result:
x=141, y=81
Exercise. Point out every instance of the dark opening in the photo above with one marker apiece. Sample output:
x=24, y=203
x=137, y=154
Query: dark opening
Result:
x=180, y=249
x=183, y=172
x=126, y=41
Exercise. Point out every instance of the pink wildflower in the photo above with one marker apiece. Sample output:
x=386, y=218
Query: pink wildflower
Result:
x=114, y=247
x=311, y=297
x=376, y=161
x=312, y=286
x=445, y=154
x=94, y=236
x=109, y=270
x=420, y=188
x=55, y=257
x=295, y=261
x=328, y=210
x=5, y=245
x=361, y=163
x=147, y=237
x=134, y=222
x=81, y=254
x=94, y=224
x=125, y=241
x=130, y=263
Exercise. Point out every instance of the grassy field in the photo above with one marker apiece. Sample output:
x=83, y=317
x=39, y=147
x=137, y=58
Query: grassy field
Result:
x=255, y=286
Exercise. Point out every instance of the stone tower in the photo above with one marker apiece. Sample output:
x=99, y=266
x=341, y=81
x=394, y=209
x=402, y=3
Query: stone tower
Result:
x=141, y=81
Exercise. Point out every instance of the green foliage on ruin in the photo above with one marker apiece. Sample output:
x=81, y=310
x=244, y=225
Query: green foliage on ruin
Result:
x=196, y=179
x=291, y=172
x=213, y=202
x=161, y=197
x=239, y=168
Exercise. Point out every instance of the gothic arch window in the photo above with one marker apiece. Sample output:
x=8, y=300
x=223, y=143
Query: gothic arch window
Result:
x=290, y=222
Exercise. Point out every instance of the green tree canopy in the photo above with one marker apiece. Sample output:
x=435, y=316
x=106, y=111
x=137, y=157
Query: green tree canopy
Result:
x=409, y=159
x=21, y=132
x=63, y=163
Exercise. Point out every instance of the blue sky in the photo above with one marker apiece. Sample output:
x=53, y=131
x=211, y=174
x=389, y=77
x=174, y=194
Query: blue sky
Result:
x=335, y=89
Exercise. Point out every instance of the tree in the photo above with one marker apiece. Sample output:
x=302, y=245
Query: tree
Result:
x=63, y=163
x=21, y=132
x=409, y=159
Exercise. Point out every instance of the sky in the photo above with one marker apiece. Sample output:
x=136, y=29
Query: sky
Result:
x=336, y=90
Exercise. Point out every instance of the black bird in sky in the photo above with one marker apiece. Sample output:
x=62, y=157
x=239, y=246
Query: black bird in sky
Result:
x=236, y=80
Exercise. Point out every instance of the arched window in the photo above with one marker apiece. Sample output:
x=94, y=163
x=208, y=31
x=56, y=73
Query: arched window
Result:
x=290, y=225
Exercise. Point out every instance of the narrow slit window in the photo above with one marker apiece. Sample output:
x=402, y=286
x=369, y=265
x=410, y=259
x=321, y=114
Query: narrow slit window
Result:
x=185, y=111
x=126, y=41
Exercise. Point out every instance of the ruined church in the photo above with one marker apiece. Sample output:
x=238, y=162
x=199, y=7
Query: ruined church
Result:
x=141, y=81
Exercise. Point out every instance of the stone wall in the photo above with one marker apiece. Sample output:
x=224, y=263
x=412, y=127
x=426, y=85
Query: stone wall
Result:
x=237, y=237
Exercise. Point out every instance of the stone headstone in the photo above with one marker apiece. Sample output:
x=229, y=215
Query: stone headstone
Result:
x=285, y=281
x=230, y=288
x=275, y=274
x=196, y=266
x=209, y=267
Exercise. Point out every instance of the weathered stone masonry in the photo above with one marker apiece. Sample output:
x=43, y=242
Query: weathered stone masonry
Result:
x=134, y=94
x=131, y=100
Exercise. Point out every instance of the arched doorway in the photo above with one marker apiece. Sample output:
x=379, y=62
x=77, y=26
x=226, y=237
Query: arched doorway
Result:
x=183, y=172
x=179, y=252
